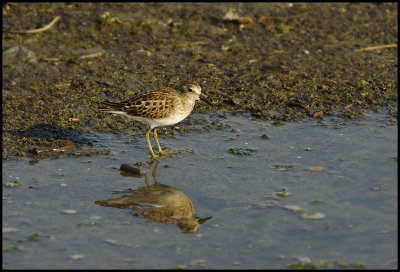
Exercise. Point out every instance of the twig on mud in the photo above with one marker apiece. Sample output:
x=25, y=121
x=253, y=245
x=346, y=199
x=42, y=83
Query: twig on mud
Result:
x=88, y=56
x=233, y=16
x=376, y=47
x=76, y=120
x=93, y=55
x=118, y=20
x=52, y=59
x=32, y=31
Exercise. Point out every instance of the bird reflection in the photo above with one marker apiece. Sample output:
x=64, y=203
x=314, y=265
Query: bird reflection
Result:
x=157, y=202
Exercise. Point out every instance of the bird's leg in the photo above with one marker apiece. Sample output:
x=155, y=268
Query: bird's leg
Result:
x=149, y=144
x=157, y=143
x=160, y=151
x=154, y=172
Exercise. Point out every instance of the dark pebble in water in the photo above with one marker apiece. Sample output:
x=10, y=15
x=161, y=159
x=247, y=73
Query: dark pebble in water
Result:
x=130, y=169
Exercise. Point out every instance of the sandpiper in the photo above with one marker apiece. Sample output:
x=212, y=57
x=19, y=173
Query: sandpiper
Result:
x=162, y=107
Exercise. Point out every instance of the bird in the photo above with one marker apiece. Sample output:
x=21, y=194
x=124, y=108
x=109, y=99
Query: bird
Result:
x=163, y=107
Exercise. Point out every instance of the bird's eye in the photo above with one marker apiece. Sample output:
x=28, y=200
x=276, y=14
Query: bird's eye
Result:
x=190, y=90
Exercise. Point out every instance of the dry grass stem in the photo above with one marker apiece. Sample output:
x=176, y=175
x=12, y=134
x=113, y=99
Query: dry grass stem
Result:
x=376, y=47
x=33, y=31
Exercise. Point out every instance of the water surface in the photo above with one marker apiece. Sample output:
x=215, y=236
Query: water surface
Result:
x=312, y=193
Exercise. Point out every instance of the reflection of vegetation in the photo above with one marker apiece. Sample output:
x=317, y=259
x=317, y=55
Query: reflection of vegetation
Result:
x=324, y=264
x=283, y=167
x=13, y=184
x=318, y=201
x=277, y=123
x=34, y=236
x=8, y=249
x=241, y=151
x=381, y=187
x=305, y=214
x=265, y=136
x=284, y=193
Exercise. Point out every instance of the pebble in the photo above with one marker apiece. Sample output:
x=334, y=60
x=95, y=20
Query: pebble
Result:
x=77, y=256
x=69, y=211
x=19, y=53
x=9, y=229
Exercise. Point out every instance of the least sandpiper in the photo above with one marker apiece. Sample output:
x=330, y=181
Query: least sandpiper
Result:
x=162, y=107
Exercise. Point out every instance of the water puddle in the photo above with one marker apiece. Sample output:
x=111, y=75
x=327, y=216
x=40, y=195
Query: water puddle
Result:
x=247, y=195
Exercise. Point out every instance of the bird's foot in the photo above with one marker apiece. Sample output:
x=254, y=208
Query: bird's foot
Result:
x=165, y=153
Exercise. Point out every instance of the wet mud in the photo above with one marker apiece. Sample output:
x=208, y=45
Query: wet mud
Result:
x=275, y=61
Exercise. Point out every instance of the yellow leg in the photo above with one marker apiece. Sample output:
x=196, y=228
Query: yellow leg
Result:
x=160, y=151
x=154, y=173
x=149, y=144
x=156, y=139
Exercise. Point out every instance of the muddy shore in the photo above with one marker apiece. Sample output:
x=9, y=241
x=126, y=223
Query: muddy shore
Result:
x=275, y=61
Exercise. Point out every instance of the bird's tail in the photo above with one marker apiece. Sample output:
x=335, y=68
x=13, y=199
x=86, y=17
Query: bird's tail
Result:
x=107, y=106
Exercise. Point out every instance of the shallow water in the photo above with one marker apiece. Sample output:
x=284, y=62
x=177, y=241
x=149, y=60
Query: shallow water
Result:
x=267, y=208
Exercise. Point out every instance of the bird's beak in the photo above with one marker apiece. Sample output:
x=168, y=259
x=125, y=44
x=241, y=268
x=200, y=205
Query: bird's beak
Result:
x=202, y=98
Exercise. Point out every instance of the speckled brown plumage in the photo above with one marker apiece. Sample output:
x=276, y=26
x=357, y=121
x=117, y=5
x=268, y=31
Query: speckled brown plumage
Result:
x=155, y=105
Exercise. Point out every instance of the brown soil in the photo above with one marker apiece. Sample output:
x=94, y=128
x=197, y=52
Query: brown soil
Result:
x=276, y=61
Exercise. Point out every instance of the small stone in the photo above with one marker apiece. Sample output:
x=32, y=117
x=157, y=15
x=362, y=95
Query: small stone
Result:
x=19, y=53
x=313, y=215
x=69, y=211
x=13, y=184
x=77, y=256
x=9, y=229
x=198, y=263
